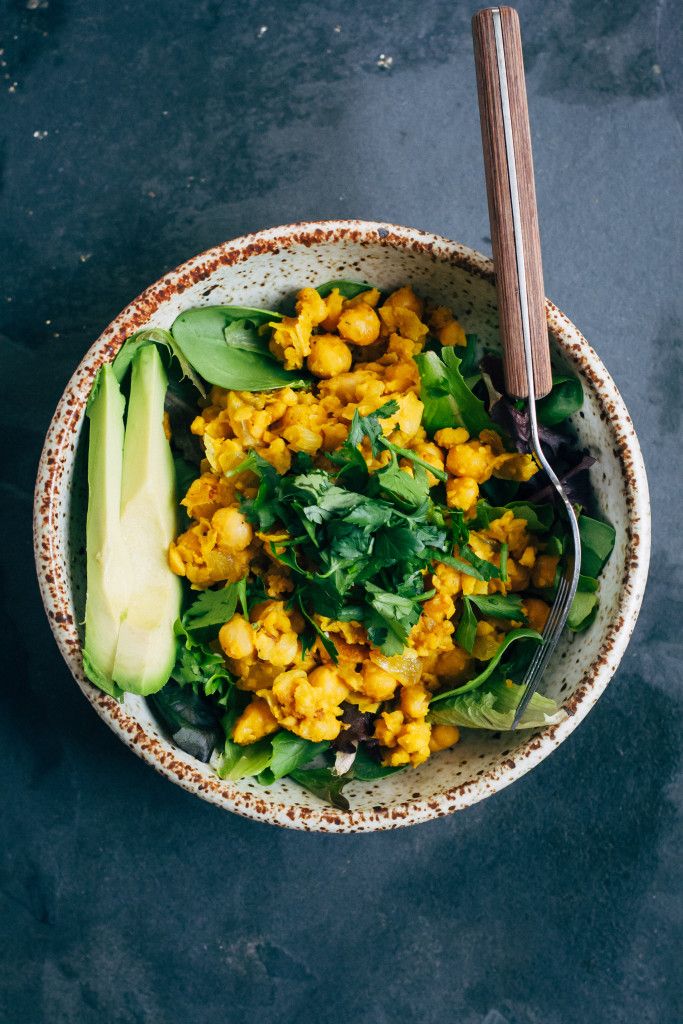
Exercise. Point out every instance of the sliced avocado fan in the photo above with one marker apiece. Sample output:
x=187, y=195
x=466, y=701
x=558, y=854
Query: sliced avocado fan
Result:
x=133, y=597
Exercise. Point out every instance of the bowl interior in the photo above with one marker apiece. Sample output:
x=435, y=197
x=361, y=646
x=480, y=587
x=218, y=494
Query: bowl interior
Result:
x=483, y=761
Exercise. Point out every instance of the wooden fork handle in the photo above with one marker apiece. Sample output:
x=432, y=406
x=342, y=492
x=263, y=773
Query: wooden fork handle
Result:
x=502, y=167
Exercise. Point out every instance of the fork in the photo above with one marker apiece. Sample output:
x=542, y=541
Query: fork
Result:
x=511, y=192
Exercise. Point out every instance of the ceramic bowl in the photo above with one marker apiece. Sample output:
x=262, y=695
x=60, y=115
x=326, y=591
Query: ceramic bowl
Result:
x=260, y=270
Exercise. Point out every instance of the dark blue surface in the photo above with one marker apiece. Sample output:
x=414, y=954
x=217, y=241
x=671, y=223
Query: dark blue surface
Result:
x=138, y=134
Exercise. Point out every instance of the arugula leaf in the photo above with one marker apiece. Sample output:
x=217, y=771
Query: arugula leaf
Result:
x=493, y=707
x=289, y=752
x=447, y=399
x=189, y=719
x=565, y=398
x=597, y=542
x=523, y=633
x=466, y=632
x=163, y=340
x=323, y=783
x=216, y=607
x=349, y=289
x=200, y=334
x=499, y=606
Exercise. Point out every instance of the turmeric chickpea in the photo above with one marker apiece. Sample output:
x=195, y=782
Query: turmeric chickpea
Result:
x=414, y=701
x=329, y=356
x=462, y=492
x=236, y=638
x=233, y=531
x=378, y=684
x=452, y=334
x=537, y=612
x=443, y=736
x=255, y=722
x=359, y=324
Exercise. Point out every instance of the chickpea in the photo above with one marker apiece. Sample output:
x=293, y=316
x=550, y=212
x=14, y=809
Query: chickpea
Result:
x=236, y=638
x=233, y=530
x=407, y=299
x=462, y=493
x=537, y=612
x=359, y=324
x=256, y=721
x=329, y=356
x=414, y=701
x=443, y=736
x=378, y=684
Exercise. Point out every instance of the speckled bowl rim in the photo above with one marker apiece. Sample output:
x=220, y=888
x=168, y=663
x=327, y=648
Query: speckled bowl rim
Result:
x=51, y=515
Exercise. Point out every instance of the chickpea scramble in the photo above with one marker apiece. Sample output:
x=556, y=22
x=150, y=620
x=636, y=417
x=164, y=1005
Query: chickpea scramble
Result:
x=378, y=577
x=367, y=559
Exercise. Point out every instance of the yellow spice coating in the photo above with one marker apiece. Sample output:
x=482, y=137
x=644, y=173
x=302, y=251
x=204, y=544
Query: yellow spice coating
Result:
x=304, y=694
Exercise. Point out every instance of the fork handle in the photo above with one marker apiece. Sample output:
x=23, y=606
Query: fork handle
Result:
x=511, y=193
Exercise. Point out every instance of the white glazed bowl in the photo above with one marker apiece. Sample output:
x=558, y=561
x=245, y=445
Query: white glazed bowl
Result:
x=259, y=270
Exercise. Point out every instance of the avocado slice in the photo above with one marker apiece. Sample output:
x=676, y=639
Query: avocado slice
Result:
x=107, y=561
x=145, y=652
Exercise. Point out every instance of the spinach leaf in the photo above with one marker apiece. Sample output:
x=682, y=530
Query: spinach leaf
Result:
x=447, y=399
x=584, y=606
x=205, y=337
x=323, y=783
x=289, y=752
x=466, y=632
x=238, y=762
x=349, y=289
x=164, y=340
x=188, y=718
x=499, y=606
x=597, y=542
x=493, y=707
x=539, y=518
x=564, y=400
x=523, y=633
x=366, y=769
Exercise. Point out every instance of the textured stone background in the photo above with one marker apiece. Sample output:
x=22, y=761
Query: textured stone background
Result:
x=137, y=134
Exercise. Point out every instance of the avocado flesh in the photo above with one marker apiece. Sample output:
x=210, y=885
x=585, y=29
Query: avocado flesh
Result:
x=107, y=561
x=145, y=652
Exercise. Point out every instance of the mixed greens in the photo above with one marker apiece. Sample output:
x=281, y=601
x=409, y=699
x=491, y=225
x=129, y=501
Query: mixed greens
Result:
x=357, y=532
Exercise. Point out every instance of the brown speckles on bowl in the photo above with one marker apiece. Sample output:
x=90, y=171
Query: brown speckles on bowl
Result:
x=259, y=270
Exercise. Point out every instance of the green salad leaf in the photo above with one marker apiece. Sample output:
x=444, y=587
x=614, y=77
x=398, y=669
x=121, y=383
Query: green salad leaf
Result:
x=466, y=632
x=323, y=783
x=565, y=398
x=215, y=607
x=289, y=752
x=523, y=633
x=165, y=342
x=349, y=289
x=239, y=762
x=224, y=346
x=499, y=606
x=539, y=518
x=448, y=401
x=190, y=720
x=597, y=542
x=493, y=707
x=584, y=606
